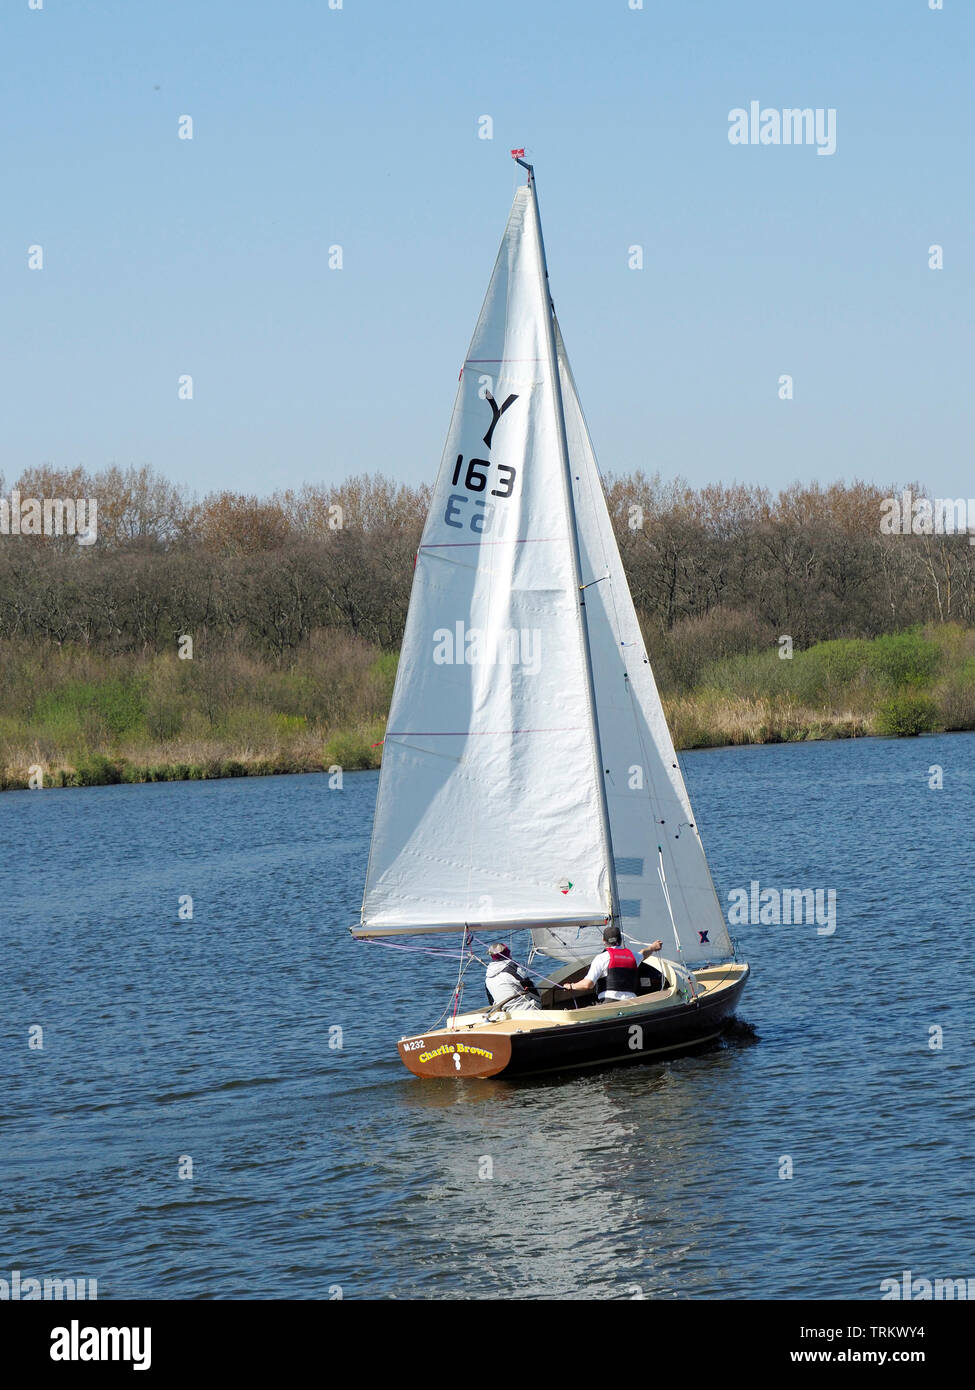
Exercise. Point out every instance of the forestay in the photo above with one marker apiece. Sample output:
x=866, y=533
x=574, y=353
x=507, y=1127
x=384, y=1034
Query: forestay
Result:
x=489, y=805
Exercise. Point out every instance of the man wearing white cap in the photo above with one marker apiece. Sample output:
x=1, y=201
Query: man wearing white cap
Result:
x=509, y=986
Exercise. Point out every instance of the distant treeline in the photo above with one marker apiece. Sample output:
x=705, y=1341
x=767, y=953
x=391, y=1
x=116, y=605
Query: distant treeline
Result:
x=714, y=572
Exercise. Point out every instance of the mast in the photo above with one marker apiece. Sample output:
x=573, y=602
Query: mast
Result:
x=566, y=471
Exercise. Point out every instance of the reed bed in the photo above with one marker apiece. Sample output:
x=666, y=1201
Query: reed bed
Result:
x=71, y=716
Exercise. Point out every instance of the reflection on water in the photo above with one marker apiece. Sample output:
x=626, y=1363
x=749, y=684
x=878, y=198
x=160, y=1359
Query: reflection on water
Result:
x=592, y=1182
x=317, y=1165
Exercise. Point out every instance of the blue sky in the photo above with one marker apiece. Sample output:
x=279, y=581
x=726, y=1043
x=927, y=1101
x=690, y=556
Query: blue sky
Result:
x=359, y=127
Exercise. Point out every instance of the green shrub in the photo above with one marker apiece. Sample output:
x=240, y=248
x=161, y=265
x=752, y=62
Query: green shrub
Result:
x=352, y=749
x=754, y=675
x=906, y=716
x=97, y=771
x=824, y=672
x=112, y=708
x=905, y=659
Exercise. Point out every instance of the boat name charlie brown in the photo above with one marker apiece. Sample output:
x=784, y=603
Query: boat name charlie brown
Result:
x=767, y=907
x=456, y=1047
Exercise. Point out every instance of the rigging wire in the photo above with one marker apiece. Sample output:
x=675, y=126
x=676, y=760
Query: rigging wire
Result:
x=680, y=952
x=466, y=940
x=467, y=955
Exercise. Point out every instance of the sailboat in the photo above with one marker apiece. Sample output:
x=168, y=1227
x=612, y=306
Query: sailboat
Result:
x=529, y=782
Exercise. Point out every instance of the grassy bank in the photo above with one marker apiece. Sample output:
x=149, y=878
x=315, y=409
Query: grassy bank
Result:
x=900, y=685
x=84, y=719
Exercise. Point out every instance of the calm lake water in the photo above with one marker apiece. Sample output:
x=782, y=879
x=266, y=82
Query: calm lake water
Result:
x=316, y=1168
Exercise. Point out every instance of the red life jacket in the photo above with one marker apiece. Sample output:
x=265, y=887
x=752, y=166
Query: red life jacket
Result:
x=622, y=974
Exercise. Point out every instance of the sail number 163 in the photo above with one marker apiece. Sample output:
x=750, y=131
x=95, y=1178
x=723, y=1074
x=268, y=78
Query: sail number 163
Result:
x=476, y=480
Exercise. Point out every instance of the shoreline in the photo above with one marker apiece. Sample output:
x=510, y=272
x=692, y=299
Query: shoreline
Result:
x=352, y=750
x=76, y=719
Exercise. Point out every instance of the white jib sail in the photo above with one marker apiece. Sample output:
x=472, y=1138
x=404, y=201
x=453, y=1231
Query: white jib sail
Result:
x=488, y=810
x=647, y=798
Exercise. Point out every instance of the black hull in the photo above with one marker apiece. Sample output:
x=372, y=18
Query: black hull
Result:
x=677, y=1031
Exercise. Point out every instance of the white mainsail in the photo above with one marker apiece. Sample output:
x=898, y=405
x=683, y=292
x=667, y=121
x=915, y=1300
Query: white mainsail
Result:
x=489, y=810
x=647, y=798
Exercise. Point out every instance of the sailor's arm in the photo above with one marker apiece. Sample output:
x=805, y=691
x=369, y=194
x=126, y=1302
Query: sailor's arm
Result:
x=652, y=949
x=593, y=974
x=527, y=983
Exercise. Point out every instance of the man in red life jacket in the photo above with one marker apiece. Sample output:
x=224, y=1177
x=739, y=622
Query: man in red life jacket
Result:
x=614, y=974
